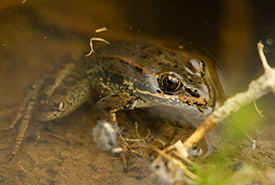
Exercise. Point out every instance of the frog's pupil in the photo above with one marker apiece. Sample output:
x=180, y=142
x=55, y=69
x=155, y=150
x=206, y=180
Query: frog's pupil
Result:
x=170, y=82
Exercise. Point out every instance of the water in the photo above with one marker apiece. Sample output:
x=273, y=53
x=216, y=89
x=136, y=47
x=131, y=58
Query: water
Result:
x=36, y=34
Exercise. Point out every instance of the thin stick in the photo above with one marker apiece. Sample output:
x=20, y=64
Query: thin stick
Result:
x=91, y=44
x=258, y=110
x=178, y=163
x=101, y=30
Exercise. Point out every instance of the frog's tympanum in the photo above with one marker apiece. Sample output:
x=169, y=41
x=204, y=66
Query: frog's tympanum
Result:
x=125, y=75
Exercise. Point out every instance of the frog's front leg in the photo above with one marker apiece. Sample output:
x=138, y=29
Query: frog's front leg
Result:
x=106, y=132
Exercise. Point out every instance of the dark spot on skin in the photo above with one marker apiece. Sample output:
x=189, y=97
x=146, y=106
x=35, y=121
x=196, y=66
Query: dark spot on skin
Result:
x=112, y=65
x=144, y=47
x=70, y=83
x=115, y=95
x=74, y=76
x=144, y=55
x=173, y=54
x=43, y=96
x=194, y=92
x=108, y=108
x=159, y=52
x=52, y=107
x=50, y=81
x=133, y=54
x=61, y=91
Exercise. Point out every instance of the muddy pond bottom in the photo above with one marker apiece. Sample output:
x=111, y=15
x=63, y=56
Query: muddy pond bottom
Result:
x=67, y=153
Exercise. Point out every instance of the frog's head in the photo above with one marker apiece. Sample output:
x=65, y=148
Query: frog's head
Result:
x=182, y=81
x=188, y=84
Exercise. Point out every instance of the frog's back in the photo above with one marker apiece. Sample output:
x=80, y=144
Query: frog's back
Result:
x=154, y=57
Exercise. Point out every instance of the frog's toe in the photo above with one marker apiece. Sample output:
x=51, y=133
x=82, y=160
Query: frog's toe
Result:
x=105, y=135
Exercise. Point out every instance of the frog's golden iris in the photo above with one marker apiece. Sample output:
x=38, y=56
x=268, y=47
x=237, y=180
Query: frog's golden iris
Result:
x=169, y=82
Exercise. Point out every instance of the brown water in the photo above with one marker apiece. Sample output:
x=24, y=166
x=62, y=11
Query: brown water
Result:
x=36, y=34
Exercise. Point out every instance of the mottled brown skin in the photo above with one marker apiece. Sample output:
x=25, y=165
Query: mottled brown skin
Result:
x=125, y=74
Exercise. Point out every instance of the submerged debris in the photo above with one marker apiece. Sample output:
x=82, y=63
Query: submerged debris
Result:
x=101, y=30
x=91, y=44
x=105, y=135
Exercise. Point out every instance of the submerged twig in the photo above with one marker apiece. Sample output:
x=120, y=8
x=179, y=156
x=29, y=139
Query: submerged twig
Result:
x=101, y=29
x=91, y=44
x=260, y=112
x=137, y=134
x=178, y=163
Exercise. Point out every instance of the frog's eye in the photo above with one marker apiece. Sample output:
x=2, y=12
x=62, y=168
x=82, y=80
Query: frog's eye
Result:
x=169, y=81
x=197, y=66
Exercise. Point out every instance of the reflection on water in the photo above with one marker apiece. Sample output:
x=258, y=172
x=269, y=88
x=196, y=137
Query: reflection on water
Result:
x=36, y=34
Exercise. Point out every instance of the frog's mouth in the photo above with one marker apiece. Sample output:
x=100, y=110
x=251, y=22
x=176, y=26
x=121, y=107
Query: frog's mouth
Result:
x=181, y=99
x=188, y=96
x=193, y=100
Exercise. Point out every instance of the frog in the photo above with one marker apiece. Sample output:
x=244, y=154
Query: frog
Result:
x=126, y=74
